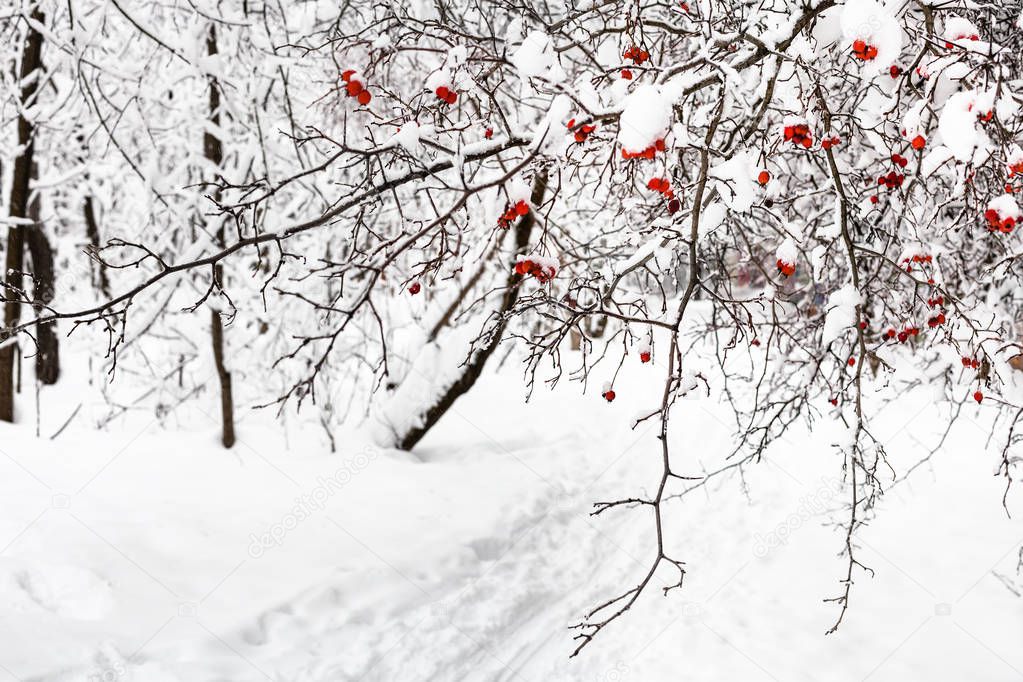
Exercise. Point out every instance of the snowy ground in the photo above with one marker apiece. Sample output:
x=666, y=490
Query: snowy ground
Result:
x=148, y=553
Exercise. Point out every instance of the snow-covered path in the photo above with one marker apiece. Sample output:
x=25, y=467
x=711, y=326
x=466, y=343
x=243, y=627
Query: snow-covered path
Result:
x=131, y=555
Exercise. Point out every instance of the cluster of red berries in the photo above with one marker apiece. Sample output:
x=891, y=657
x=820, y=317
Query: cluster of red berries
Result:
x=1016, y=169
x=971, y=363
x=996, y=223
x=861, y=49
x=647, y=153
x=446, y=94
x=937, y=301
x=786, y=269
x=637, y=55
x=831, y=142
x=919, y=259
x=355, y=87
x=903, y=335
x=936, y=321
x=662, y=185
x=900, y=160
x=512, y=212
x=583, y=132
x=799, y=134
x=543, y=272
x=415, y=288
x=891, y=180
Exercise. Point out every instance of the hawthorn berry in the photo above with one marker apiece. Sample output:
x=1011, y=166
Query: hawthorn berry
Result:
x=662, y=185
x=1002, y=214
x=919, y=142
x=636, y=54
x=799, y=134
x=364, y=97
x=764, y=178
x=647, y=153
x=608, y=395
x=583, y=131
x=978, y=396
x=852, y=362
x=644, y=356
x=895, y=71
x=785, y=269
x=626, y=74
x=489, y=133
x=861, y=49
x=673, y=206
x=511, y=213
x=542, y=269
x=446, y=94
x=415, y=288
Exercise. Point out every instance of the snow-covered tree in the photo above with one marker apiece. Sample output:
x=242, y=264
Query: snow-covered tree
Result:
x=818, y=196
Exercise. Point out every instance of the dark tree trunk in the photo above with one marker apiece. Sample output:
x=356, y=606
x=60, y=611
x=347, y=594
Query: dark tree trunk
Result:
x=43, y=278
x=101, y=280
x=474, y=368
x=214, y=152
x=31, y=61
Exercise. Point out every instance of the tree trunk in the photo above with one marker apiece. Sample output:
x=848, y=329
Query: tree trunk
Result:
x=214, y=152
x=474, y=368
x=101, y=281
x=43, y=279
x=31, y=61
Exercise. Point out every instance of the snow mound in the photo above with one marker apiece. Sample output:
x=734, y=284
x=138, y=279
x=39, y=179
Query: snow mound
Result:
x=645, y=119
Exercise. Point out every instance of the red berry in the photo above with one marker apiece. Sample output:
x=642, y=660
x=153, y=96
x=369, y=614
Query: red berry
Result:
x=609, y=395
x=489, y=133
x=852, y=362
x=978, y=396
x=764, y=177
x=443, y=92
x=919, y=142
x=626, y=74
x=644, y=356
x=364, y=97
x=415, y=288
x=354, y=88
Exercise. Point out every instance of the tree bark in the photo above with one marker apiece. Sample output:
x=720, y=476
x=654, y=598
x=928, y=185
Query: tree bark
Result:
x=474, y=368
x=214, y=152
x=43, y=279
x=31, y=62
